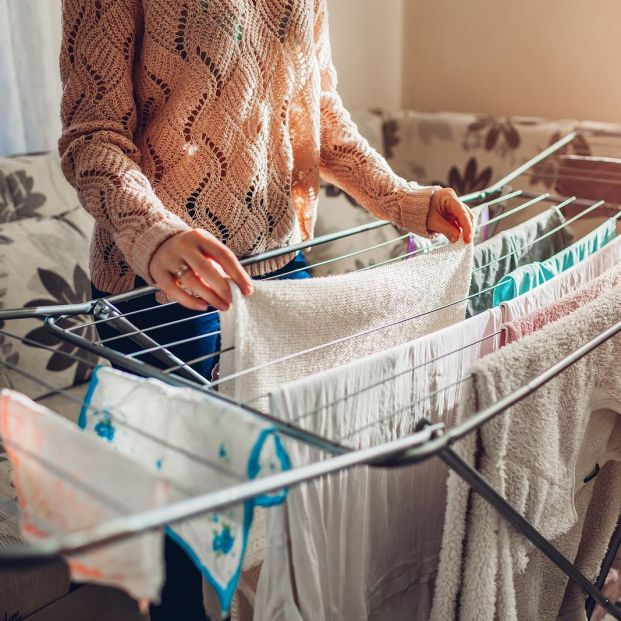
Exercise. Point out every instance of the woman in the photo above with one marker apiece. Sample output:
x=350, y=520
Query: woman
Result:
x=196, y=132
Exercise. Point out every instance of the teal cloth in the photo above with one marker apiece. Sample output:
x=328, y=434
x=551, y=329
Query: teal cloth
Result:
x=499, y=256
x=527, y=277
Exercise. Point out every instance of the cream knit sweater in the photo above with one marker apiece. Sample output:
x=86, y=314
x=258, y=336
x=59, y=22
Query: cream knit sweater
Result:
x=219, y=114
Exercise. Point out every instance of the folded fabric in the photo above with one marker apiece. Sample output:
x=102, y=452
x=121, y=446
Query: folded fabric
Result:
x=563, y=284
x=527, y=277
x=324, y=315
x=68, y=483
x=500, y=255
x=365, y=543
x=199, y=444
x=539, y=456
x=532, y=322
x=596, y=178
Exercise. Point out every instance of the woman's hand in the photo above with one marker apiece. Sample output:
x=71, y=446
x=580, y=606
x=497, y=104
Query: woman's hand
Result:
x=449, y=216
x=192, y=268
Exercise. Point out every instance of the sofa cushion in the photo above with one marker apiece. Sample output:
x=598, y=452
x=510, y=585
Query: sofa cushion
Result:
x=44, y=262
x=470, y=151
x=34, y=186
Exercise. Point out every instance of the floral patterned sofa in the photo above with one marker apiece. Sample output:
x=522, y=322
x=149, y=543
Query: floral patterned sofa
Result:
x=44, y=244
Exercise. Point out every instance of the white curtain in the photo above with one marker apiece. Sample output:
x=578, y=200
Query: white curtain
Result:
x=30, y=89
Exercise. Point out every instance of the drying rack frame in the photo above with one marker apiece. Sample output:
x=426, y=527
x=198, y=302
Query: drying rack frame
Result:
x=430, y=440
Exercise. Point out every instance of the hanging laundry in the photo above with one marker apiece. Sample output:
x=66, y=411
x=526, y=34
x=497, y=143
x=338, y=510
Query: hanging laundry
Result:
x=509, y=249
x=538, y=457
x=283, y=318
x=563, y=284
x=198, y=443
x=532, y=322
x=68, y=483
x=527, y=277
x=373, y=534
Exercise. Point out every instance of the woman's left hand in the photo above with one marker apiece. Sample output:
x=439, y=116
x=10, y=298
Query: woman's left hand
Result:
x=449, y=216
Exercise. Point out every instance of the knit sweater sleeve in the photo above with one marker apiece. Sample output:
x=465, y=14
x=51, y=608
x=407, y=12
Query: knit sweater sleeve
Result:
x=99, y=156
x=347, y=159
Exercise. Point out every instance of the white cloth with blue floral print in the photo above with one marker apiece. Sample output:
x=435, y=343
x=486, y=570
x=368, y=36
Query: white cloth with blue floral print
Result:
x=199, y=444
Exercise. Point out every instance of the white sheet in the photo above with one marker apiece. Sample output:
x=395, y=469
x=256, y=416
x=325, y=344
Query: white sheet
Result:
x=364, y=544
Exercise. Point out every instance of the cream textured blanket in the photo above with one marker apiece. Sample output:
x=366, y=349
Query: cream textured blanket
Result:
x=537, y=455
x=286, y=317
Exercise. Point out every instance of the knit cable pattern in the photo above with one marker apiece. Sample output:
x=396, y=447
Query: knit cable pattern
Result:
x=219, y=114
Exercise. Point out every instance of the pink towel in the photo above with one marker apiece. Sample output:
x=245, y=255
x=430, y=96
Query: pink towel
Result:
x=536, y=320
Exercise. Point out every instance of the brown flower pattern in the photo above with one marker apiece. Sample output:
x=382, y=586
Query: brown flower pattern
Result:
x=64, y=292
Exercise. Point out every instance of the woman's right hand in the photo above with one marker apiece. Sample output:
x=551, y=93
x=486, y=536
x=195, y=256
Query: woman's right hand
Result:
x=195, y=261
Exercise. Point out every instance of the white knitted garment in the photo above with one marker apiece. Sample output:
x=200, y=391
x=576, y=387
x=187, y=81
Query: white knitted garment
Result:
x=537, y=455
x=286, y=317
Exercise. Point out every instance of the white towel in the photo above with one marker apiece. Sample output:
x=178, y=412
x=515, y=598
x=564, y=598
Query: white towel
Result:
x=286, y=317
x=67, y=482
x=365, y=543
x=200, y=444
x=531, y=454
x=564, y=284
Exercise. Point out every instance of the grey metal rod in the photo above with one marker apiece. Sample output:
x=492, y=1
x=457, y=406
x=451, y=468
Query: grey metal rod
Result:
x=611, y=553
x=127, y=526
x=104, y=308
x=39, y=312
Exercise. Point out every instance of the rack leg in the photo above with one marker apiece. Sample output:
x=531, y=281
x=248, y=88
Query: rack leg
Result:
x=482, y=487
x=613, y=548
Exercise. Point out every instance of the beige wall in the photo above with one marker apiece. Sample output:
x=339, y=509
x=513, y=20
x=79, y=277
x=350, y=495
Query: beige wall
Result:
x=552, y=58
x=367, y=46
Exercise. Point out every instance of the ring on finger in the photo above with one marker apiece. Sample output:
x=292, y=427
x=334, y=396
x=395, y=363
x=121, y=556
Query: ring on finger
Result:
x=181, y=272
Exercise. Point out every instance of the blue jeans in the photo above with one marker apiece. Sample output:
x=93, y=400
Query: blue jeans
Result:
x=192, y=324
x=182, y=592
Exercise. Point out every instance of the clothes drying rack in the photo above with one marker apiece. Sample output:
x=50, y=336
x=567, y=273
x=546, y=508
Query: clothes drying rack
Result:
x=429, y=440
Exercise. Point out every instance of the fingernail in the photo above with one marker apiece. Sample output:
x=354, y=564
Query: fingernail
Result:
x=224, y=307
x=249, y=290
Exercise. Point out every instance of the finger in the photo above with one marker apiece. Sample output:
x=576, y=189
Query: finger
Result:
x=458, y=210
x=192, y=284
x=229, y=262
x=168, y=284
x=446, y=228
x=210, y=275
